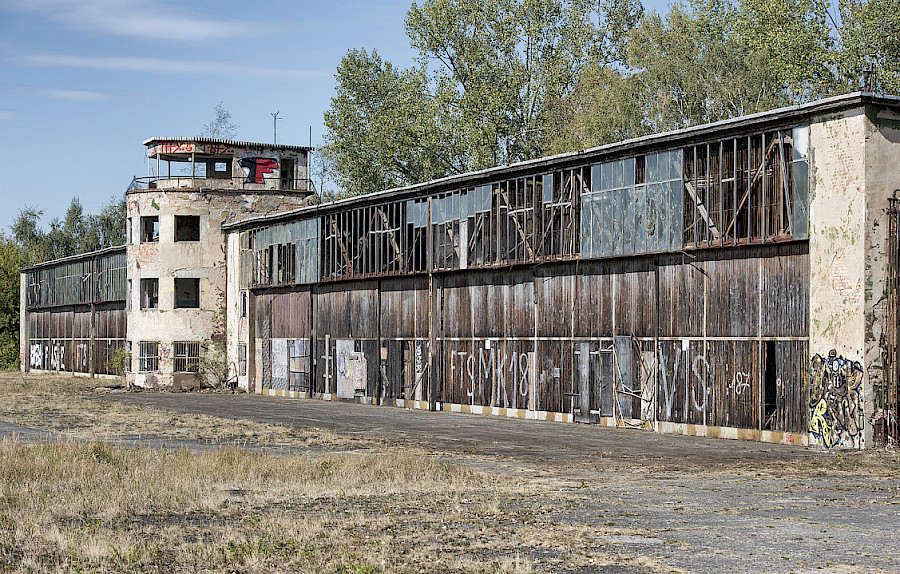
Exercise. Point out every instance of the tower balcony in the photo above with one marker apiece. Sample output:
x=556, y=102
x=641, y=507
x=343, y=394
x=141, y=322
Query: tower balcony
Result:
x=218, y=164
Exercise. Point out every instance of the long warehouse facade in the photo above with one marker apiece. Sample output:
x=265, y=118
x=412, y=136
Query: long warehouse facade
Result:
x=737, y=279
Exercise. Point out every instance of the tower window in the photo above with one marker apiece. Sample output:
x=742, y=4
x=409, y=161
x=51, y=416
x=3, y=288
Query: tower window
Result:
x=150, y=229
x=187, y=293
x=149, y=293
x=187, y=228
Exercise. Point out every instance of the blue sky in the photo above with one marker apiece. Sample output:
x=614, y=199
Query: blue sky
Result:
x=84, y=82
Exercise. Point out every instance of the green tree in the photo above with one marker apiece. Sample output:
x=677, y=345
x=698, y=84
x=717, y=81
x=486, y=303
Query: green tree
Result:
x=11, y=259
x=503, y=62
x=601, y=109
x=490, y=75
x=381, y=127
x=869, y=32
x=77, y=233
x=714, y=59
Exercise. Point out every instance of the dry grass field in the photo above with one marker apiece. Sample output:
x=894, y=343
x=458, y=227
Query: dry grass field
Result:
x=310, y=501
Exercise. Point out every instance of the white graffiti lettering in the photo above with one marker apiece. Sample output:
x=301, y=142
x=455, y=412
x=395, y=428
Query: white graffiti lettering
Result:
x=740, y=383
x=36, y=356
x=492, y=367
x=58, y=358
x=700, y=379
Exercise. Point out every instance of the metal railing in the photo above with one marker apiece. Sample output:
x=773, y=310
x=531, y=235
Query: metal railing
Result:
x=176, y=182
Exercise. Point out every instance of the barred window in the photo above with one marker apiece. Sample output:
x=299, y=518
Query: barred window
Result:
x=149, y=357
x=187, y=356
x=242, y=359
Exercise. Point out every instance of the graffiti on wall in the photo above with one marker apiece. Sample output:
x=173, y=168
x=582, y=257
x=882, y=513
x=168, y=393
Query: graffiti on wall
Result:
x=491, y=368
x=835, y=401
x=58, y=358
x=190, y=147
x=701, y=395
x=256, y=168
x=81, y=357
x=37, y=356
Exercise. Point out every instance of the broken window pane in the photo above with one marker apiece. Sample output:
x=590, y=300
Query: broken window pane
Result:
x=547, y=188
x=800, y=181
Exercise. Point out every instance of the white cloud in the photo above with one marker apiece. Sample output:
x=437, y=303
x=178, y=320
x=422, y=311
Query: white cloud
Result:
x=7, y=116
x=67, y=94
x=134, y=19
x=165, y=66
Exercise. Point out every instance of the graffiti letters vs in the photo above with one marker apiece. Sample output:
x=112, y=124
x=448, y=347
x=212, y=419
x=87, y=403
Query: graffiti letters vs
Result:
x=835, y=401
x=258, y=167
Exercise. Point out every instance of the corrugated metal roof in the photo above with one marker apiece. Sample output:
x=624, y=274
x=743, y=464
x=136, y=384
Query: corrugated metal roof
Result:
x=233, y=143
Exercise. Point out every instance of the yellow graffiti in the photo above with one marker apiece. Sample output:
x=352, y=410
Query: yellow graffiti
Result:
x=818, y=425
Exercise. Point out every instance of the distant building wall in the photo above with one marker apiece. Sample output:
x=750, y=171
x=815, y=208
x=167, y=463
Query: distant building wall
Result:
x=73, y=313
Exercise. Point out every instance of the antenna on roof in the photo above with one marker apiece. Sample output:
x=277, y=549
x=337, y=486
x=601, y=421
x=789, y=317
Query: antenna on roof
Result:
x=275, y=119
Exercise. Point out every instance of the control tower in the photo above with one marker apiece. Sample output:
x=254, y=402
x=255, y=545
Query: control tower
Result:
x=175, y=249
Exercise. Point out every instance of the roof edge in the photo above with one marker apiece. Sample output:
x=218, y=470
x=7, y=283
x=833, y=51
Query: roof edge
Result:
x=234, y=143
x=831, y=104
x=70, y=258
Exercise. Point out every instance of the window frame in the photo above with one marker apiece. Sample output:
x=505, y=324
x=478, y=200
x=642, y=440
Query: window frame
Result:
x=148, y=355
x=180, y=222
x=145, y=299
x=178, y=303
x=182, y=353
x=152, y=237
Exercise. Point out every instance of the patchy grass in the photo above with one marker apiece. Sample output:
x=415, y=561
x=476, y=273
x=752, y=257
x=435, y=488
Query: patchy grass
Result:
x=343, y=504
x=58, y=404
x=92, y=506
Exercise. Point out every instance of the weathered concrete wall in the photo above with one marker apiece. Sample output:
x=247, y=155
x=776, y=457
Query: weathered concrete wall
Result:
x=167, y=260
x=23, y=324
x=837, y=254
x=882, y=182
x=237, y=327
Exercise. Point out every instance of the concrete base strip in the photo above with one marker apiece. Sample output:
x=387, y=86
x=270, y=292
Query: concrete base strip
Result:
x=510, y=413
x=777, y=437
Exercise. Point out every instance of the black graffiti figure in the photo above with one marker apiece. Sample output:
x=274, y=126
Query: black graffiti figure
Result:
x=257, y=167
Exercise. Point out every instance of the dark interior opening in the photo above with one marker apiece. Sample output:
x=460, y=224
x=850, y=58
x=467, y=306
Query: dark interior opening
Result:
x=187, y=228
x=150, y=229
x=771, y=388
x=187, y=293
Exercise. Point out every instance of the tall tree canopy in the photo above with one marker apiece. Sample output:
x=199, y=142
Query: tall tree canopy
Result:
x=77, y=233
x=29, y=243
x=498, y=81
x=10, y=261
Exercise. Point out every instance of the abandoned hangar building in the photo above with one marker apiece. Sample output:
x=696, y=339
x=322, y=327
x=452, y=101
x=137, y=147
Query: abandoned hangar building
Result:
x=739, y=279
